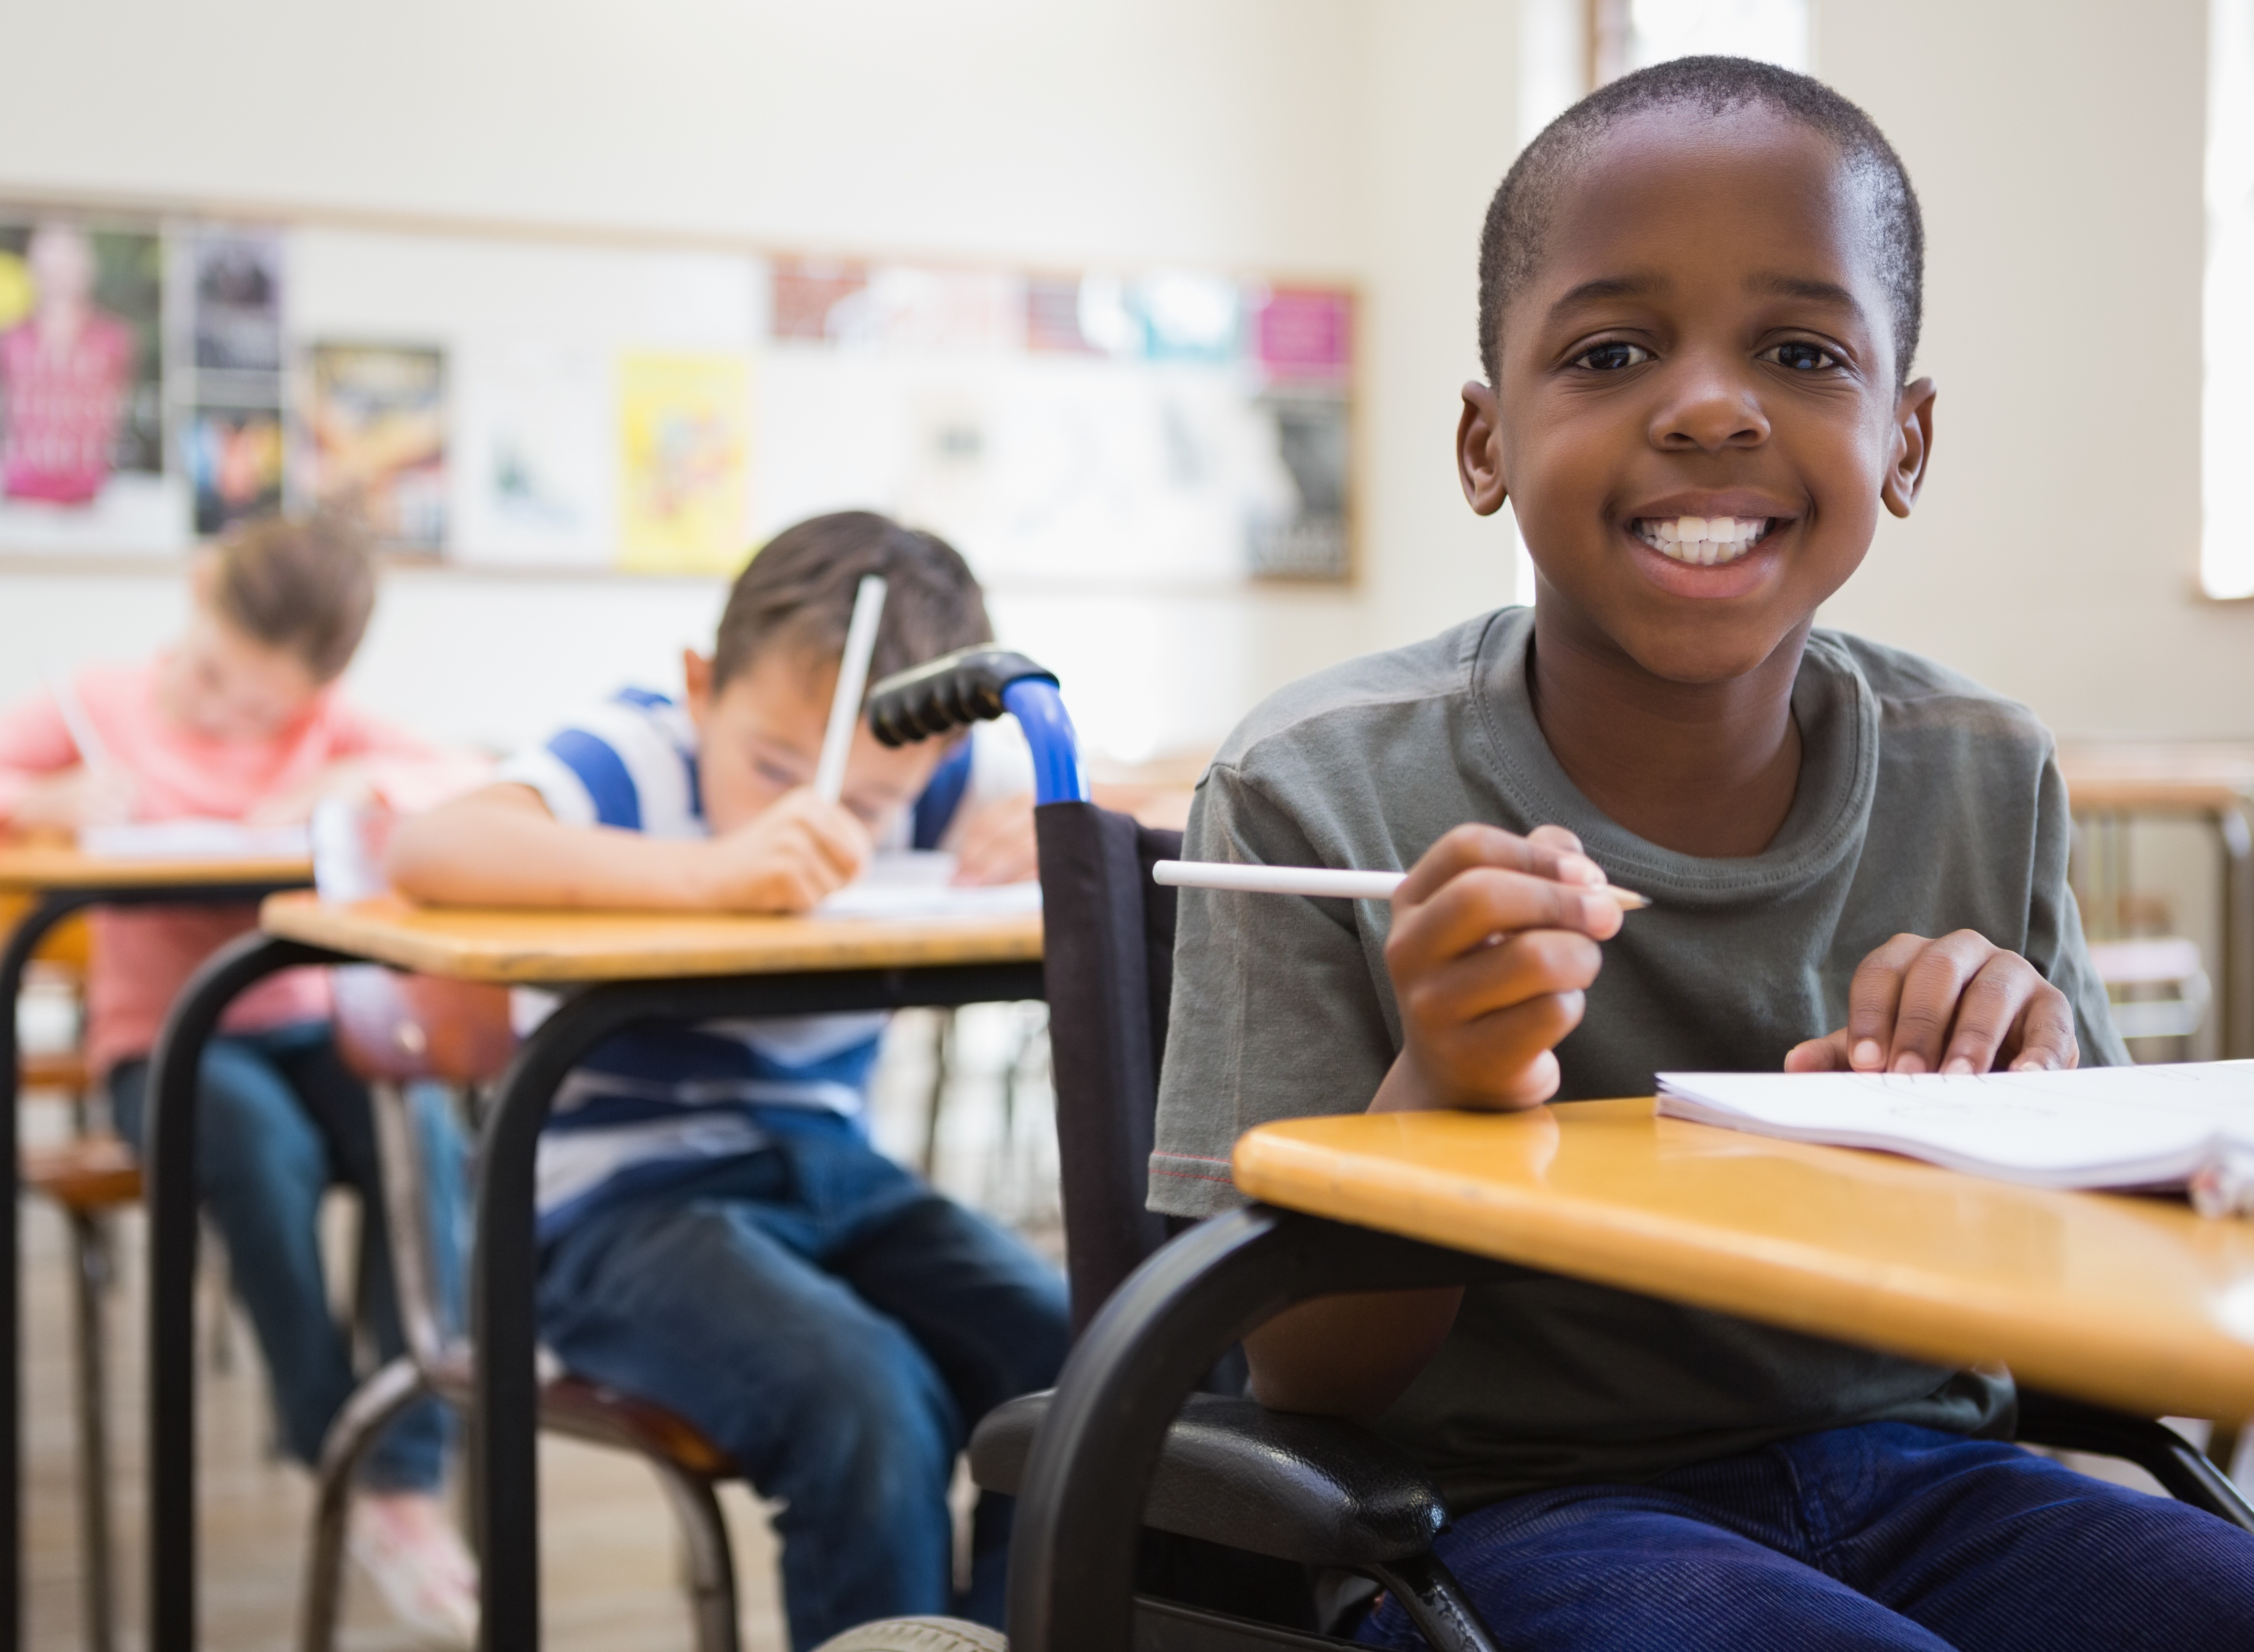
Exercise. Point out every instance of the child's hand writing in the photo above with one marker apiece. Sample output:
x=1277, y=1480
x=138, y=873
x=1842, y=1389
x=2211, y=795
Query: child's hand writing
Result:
x=1958, y=1005
x=1494, y=941
x=798, y=850
x=75, y=797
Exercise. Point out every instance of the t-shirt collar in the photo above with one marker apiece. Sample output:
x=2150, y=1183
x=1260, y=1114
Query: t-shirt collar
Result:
x=1838, y=717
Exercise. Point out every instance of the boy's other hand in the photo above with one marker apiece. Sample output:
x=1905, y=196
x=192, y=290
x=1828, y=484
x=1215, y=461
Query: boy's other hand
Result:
x=996, y=844
x=1958, y=1005
x=798, y=850
x=347, y=778
x=1493, y=944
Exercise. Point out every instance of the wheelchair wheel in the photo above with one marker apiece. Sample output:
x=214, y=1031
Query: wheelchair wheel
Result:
x=917, y=1635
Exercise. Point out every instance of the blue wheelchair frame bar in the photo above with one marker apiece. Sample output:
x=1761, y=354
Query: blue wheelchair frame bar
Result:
x=1040, y=711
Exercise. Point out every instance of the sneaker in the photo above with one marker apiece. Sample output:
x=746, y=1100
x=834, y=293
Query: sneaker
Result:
x=410, y=1551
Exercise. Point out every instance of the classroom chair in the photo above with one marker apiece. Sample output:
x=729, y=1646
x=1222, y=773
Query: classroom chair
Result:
x=2157, y=985
x=393, y=1030
x=1343, y=1511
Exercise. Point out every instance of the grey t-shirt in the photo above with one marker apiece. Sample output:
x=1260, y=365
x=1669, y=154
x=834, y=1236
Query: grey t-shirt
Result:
x=1925, y=804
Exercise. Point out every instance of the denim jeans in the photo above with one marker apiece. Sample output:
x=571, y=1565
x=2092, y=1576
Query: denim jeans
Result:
x=282, y=1120
x=837, y=1329
x=1884, y=1535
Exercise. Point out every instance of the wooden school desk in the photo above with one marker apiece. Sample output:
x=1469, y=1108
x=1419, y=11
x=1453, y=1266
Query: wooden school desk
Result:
x=614, y=969
x=2136, y=1304
x=60, y=880
x=2209, y=781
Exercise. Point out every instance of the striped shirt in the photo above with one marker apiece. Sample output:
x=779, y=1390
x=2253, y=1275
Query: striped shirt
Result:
x=656, y=1106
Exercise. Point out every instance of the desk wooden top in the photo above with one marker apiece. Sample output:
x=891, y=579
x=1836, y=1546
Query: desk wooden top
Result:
x=2137, y=1303
x=36, y=865
x=514, y=945
x=2198, y=777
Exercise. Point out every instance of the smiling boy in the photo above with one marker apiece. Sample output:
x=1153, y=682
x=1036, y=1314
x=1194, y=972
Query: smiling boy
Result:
x=1700, y=305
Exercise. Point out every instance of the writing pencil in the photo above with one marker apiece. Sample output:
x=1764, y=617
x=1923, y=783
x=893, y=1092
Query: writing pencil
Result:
x=852, y=678
x=1318, y=880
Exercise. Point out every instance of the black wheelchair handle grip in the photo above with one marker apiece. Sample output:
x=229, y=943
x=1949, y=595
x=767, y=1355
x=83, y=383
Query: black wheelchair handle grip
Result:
x=951, y=692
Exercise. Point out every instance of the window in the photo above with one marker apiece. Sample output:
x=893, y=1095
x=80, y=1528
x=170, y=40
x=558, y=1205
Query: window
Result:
x=2226, y=553
x=1634, y=34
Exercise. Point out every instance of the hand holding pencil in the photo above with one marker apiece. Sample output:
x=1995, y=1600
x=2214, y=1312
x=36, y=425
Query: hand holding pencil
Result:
x=1493, y=942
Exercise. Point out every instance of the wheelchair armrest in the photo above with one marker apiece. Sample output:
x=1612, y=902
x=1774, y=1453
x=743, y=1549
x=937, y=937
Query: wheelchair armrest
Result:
x=2179, y=1467
x=1309, y=1489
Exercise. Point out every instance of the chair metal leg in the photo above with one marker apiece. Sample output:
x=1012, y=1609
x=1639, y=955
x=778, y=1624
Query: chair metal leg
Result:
x=91, y=1277
x=373, y=1405
x=704, y=1544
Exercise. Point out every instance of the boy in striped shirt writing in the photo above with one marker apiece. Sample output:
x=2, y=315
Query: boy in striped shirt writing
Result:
x=718, y=1236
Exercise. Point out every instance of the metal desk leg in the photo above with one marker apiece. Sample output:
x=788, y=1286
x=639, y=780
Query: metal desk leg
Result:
x=170, y=1178
x=1072, y=1555
x=504, y=1468
x=50, y=910
x=2235, y=829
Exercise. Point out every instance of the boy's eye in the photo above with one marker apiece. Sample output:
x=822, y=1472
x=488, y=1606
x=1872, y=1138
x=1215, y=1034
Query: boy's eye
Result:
x=775, y=772
x=1803, y=358
x=1612, y=355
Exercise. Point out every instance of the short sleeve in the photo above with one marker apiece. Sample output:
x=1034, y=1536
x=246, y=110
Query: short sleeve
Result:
x=2054, y=938
x=628, y=764
x=1275, y=1012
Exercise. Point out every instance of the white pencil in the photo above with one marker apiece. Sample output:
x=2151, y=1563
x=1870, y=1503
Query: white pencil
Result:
x=91, y=751
x=1317, y=880
x=852, y=680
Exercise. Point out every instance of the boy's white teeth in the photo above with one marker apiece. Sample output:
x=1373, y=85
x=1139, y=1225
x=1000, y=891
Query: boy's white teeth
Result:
x=1703, y=541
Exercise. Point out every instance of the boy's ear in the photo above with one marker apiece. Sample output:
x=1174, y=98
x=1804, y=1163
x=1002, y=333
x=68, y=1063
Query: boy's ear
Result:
x=696, y=683
x=1912, y=447
x=1478, y=449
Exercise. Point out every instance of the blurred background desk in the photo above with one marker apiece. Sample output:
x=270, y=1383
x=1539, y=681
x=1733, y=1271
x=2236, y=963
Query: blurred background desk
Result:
x=50, y=880
x=2109, y=785
x=614, y=969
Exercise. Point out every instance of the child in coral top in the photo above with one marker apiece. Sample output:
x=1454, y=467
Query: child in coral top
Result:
x=241, y=720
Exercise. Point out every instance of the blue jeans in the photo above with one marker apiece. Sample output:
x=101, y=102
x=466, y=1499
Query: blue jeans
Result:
x=281, y=1120
x=1884, y=1535
x=836, y=1329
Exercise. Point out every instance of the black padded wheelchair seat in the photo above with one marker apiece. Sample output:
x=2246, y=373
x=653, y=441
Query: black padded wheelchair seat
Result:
x=1310, y=1489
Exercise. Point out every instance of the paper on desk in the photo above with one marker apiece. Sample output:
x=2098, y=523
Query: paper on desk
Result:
x=914, y=883
x=2190, y=1123
x=195, y=839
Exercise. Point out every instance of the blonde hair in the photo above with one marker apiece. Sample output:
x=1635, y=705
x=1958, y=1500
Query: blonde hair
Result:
x=306, y=586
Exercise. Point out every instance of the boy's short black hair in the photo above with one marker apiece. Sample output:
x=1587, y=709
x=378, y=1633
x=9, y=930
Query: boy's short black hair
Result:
x=1510, y=245
x=797, y=593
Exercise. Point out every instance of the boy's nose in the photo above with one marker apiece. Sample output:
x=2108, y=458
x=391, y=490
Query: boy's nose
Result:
x=1709, y=412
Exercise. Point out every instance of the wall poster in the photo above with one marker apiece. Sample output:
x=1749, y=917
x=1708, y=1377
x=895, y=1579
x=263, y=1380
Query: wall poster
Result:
x=376, y=438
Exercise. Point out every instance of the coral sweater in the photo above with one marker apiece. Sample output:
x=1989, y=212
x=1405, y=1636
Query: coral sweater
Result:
x=142, y=956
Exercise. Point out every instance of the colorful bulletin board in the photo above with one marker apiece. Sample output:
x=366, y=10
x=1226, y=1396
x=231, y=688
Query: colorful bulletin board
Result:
x=506, y=400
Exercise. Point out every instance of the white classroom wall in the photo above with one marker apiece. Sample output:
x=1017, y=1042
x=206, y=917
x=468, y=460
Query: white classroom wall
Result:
x=2056, y=147
x=1165, y=132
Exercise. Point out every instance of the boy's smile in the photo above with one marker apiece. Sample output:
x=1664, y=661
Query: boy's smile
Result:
x=1698, y=416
